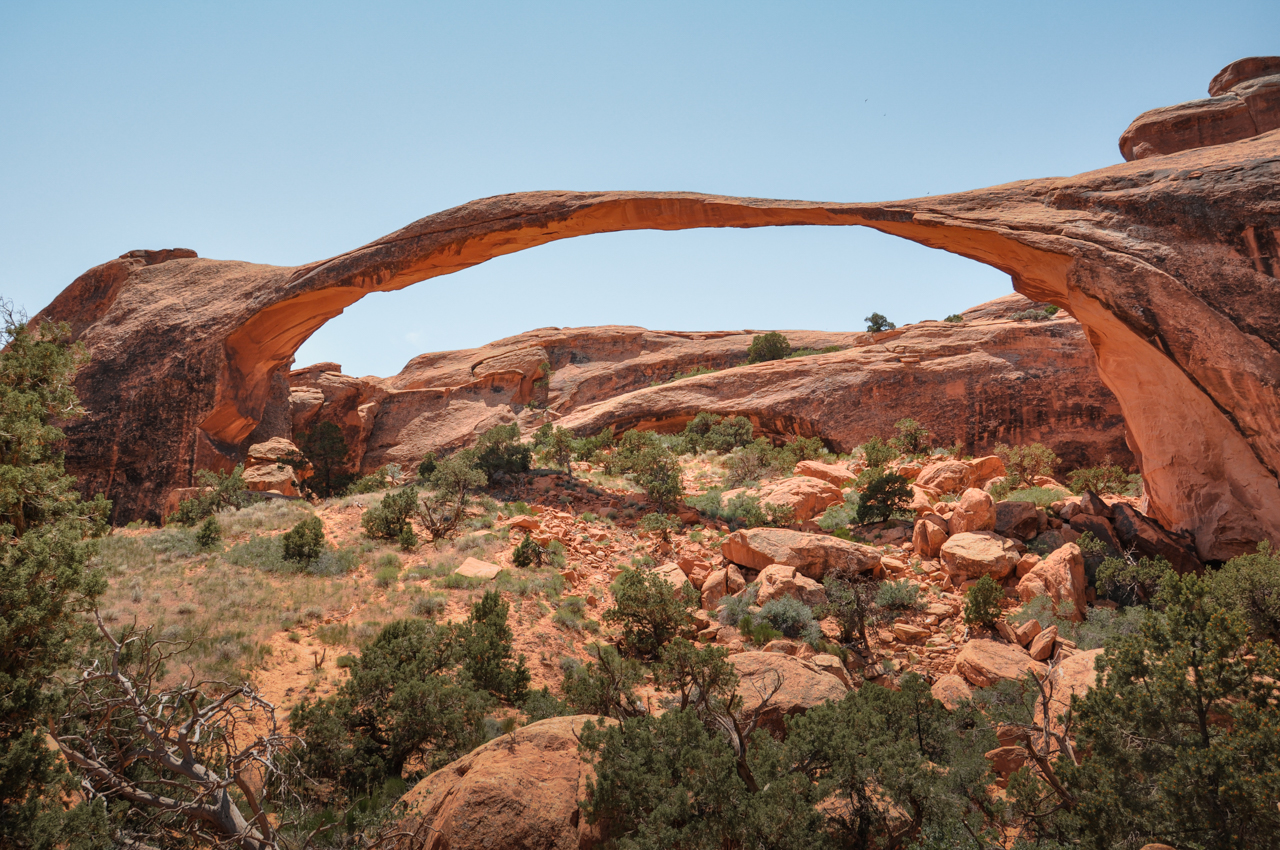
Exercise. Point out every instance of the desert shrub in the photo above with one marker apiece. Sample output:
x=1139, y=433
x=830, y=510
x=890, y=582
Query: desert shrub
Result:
x=757, y=629
x=260, y=552
x=304, y=543
x=604, y=686
x=661, y=524
x=982, y=603
x=555, y=446
x=430, y=605
x=499, y=450
x=627, y=451
x=791, y=617
x=648, y=610
x=1024, y=463
x=427, y=466
x=527, y=554
x=955, y=318
x=335, y=562
x=876, y=452
x=770, y=346
x=542, y=705
x=885, y=493
x=901, y=595
x=734, y=608
x=912, y=437
x=877, y=323
x=571, y=613
x=209, y=533
x=1102, y=626
x=1041, y=497
x=742, y=511
x=809, y=352
x=1131, y=582
x=760, y=458
x=224, y=490
x=709, y=432
x=388, y=518
x=444, y=506
x=1250, y=586
x=840, y=516
x=851, y=600
x=324, y=450
x=1108, y=478
x=372, y=483
x=487, y=653
x=658, y=472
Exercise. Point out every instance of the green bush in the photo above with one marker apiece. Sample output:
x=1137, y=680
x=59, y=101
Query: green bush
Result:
x=556, y=446
x=884, y=494
x=427, y=466
x=260, y=552
x=898, y=595
x=542, y=705
x=912, y=438
x=223, y=490
x=1250, y=586
x=658, y=472
x=487, y=653
x=1107, y=478
x=430, y=605
x=982, y=603
x=1131, y=582
x=876, y=453
x=734, y=608
x=1101, y=627
x=1024, y=463
x=709, y=432
x=649, y=611
x=791, y=617
x=386, y=520
x=499, y=450
x=304, y=543
x=1041, y=497
x=661, y=524
x=527, y=554
x=757, y=629
x=372, y=483
x=770, y=346
x=209, y=534
x=809, y=352
x=955, y=318
x=604, y=687
x=877, y=323
x=386, y=576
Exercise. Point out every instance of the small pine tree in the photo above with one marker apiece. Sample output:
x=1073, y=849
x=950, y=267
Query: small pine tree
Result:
x=877, y=323
x=527, y=554
x=304, y=543
x=883, y=495
x=770, y=346
x=982, y=603
x=209, y=533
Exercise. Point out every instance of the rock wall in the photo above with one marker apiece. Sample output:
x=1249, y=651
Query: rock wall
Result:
x=1167, y=262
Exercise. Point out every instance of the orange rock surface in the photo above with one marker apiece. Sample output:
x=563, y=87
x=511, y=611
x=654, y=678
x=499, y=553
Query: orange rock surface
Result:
x=1168, y=264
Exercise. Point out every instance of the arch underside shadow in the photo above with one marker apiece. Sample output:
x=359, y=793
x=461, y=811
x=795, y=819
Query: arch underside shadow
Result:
x=1170, y=304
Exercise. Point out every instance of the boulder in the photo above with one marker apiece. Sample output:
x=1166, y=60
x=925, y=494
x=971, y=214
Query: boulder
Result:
x=1026, y=563
x=985, y=662
x=1041, y=647
x=1006, y=760
x=947, y=476
x=929, y=535
x=807, y=497
x=908, y=633
x=1091, y=503
x=985, y=468
x=1059, y=576
x=271, y=451
x=475, y=568
x=676, y=578
x=975, y=511
x=1027, y=632
x=951, y=690
x=778, y=580
x=979, y=553
x=921, y=501
x=790, y=686
x=1148, y=539
x=1099, y=527
x=271, y=477
x=811, y=554
x=719, y=584
x=518, y=790
x=1017, y=519
x=1073, y=676
x=832, y=473
x=832, y=666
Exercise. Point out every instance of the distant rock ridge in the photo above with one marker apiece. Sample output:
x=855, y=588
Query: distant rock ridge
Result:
x=1168, y=263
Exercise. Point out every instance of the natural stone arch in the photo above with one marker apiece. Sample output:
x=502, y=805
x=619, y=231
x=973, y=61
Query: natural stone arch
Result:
x=1157, y=259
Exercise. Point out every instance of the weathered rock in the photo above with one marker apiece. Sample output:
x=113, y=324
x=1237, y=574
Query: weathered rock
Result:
x=791, y=686
x=1027, y=632
x=979, y=553
x=811, y=554
x=1017, y=519
x=985, y=662
x=721, y=583
x=778, y=580
x=1148, y=539
x=1006, y=760
x=930, y=533
x=1042, y=645
x=1163, y=262
x=271, y=477
x=1059, y=576
x=1026, y=563
x=832, y=473
x=951, y=690
x=806, y=497
x=908, y=633
x=1100, y=528
x=677, y=579
x=475, y=568
x=519, y=791
x=832, y=666
x=1244, y=102
x=946, y=476
x=975, y=511
x=1074, y=676
x=1091, y=503
x=986, y=468
x=177, y=496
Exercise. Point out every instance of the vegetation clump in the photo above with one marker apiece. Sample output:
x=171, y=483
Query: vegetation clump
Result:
x=982, y=603
x=304, y=543
x=766, y=347
x=648, y=610
x=877, y=323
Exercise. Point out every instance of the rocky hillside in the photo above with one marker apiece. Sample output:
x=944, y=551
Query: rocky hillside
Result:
x=1007, y=373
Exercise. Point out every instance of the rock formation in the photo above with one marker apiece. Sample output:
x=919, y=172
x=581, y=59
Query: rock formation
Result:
x=1167, y=262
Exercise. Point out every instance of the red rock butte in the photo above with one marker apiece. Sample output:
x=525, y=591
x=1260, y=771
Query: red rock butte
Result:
x=1169, y=262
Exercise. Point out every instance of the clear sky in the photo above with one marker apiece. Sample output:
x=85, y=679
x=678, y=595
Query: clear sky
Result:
x=287, y=132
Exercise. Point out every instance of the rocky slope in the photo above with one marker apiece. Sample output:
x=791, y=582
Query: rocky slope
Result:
x=996, y=377
x=1165, y=261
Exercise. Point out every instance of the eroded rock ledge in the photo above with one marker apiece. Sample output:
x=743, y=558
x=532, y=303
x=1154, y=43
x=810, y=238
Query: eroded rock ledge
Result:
x=1168, y=263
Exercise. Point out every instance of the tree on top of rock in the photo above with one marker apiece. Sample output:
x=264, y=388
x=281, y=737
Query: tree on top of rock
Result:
x=770, y=346
x=877, y=323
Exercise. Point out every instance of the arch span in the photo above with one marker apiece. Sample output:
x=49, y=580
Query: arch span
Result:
x=1158, y=259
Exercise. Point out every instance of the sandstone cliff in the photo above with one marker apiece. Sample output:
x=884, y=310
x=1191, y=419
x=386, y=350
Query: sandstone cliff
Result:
x=1167, y=262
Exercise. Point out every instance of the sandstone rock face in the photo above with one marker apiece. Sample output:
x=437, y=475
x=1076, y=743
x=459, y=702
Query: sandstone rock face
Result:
x=811, y=554
x=985, y=662
x=1244, y=102
x=796, y=686
x=1017, y=519
x=520, y=790
x=979, y=553
x=1168, y=264
x=1075, y=675
x=475, y=568
x=1059, y=576
x=1147, y=539
x=976, y=511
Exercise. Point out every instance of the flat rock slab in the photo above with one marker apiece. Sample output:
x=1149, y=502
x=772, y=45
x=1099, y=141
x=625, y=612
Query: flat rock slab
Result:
x=475, y=568
x=811, y=554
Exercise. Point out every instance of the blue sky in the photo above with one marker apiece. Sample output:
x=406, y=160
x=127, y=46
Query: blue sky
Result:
x=287, y=132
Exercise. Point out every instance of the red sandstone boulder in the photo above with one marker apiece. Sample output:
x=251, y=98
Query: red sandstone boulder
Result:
x=975, y=511
x=790, y=686
x=1017, y=519
x=833, y=473
x=979, y=553
x=1060, y=577
x=778, y=580
x=931, y=531
x=951, y=690
x=807, y=497
x=985, y=662
x=947, y=476
x=719, y=584
x=518, y=790
x=811, y=554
